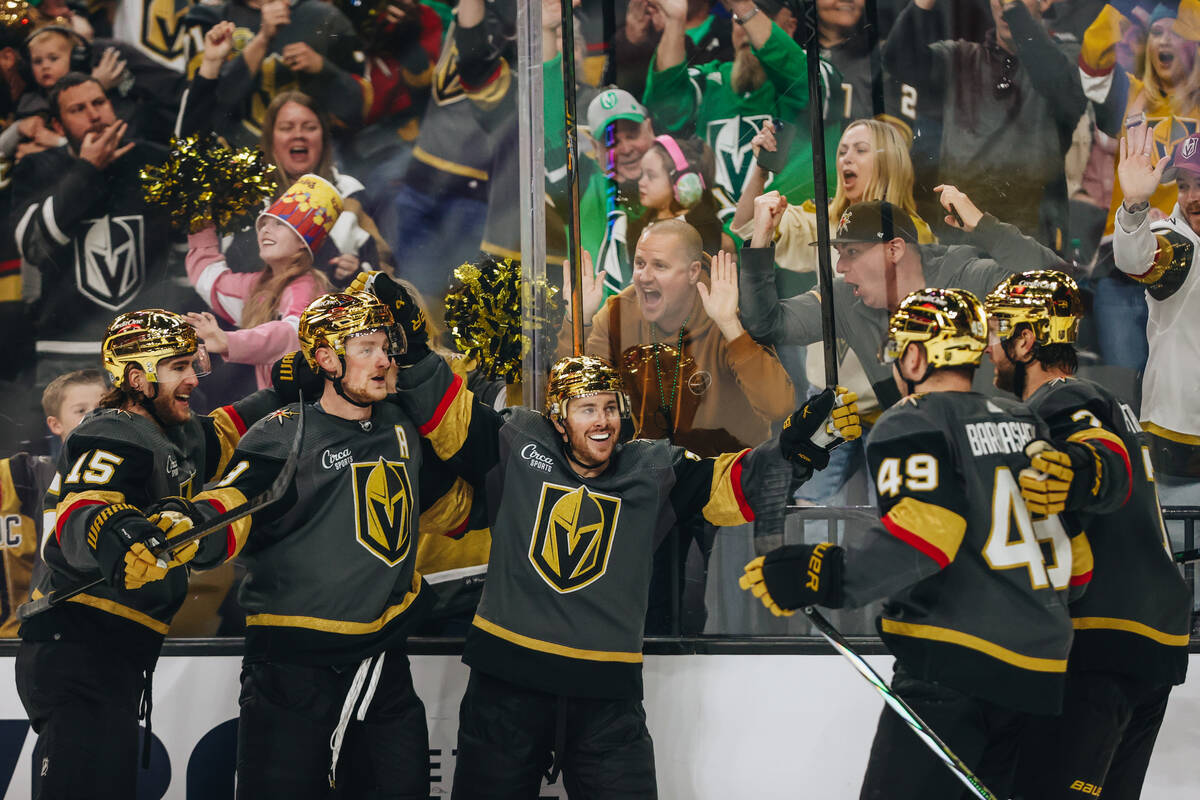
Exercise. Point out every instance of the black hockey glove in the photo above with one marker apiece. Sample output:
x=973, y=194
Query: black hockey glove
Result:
x=1061, y=476
x=818, y=426
x=794, y=576
x=292, y=375
x=121, y=540
x=405, y=311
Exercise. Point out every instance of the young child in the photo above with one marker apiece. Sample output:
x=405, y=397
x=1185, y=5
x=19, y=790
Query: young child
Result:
x=675, y=184
x=265, y=305
x=24, y=479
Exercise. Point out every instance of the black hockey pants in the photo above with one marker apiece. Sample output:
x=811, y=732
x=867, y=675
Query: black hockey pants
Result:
x=507, y=733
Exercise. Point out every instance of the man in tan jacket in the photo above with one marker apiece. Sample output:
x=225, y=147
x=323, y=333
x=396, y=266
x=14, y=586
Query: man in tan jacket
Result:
x=692, y=372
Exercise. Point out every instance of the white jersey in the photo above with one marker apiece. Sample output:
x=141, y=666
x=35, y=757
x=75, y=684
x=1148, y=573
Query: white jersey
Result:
x=1163, y=255
x=156, y=28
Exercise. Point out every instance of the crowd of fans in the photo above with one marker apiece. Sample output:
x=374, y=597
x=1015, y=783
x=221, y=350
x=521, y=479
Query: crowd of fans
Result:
x=983, y=136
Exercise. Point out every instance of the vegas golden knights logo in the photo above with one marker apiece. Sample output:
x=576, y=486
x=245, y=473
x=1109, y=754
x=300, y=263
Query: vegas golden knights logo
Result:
x=383, y=503
x=162, y=24
x=573, y=536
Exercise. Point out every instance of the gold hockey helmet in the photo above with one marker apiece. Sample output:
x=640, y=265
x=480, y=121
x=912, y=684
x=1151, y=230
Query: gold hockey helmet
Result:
x=144, y=338
x=333, y=318
x=580, y=376
x=1046, y=299
x=949, y=323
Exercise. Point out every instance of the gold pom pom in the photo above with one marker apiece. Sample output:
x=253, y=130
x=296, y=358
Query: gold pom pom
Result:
x=483, y=312
x=205, y=182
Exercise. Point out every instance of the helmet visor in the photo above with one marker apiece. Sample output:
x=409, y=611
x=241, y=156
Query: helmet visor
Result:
x=201, y=363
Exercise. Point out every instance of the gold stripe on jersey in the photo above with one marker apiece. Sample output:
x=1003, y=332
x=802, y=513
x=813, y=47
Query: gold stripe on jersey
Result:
x=1081, y=558
x=111, y=607
x=1099, y=433
x=529, y=643
x=726, y=501
x=229, y=433
x=1164, y=259
x=338, y=625
x=10, y=288
x=1129, y=626
x=418, y=80
x=950, y=636
x=90, y=497
x=224, y=499
x=492, y=93
x=421, y=154
x=447, y=429
x=929, y=525
x=1174, y=436
x=449, y=512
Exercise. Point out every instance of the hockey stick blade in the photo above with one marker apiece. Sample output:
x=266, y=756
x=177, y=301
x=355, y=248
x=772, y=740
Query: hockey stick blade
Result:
x=273, y=493
x=897, y=704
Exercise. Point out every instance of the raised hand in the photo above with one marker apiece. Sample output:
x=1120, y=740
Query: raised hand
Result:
x=275, y=15
x=765, y=138
x=300, y=57
x=110, y=68
x=963, y=214
x=593, y=288
x=768, y=210
x=208, y=329
x=101, y=149
x=1137, y=171
x=720, y=298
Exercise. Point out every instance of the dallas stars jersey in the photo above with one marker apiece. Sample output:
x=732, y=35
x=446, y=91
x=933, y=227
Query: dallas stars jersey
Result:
x=331, y=567
x=565, y=600
x=117, y=457
x=1134, y=617
x=976, y=591
x=23, y=481
x=700, y=100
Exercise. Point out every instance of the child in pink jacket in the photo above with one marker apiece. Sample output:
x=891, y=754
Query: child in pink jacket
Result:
x=265, y=305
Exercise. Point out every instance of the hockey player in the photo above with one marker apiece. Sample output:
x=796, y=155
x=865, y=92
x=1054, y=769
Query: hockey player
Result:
x=331, y=591
x=555, y=648
x=24, y=478
x=1131, y=627
x=975, y=617
x=84, y=667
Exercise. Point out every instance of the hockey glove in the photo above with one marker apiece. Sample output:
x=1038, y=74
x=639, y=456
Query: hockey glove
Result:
x=121, y=540
x=1059, y=476
x=794, y=576
x=820, y=425
x=175, y=516
x=405, y=311
x=292, y=375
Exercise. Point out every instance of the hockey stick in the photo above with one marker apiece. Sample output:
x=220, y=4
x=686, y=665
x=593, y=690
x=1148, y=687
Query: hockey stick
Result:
x=897, y=704
x=160, y=548
x=816, y=107
x=574, y=235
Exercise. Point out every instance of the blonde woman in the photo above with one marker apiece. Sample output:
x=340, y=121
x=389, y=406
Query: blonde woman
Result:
x=872, y=164
x=265, y=305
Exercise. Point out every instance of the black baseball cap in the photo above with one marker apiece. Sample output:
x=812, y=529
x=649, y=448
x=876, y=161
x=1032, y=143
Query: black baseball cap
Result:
x=874, y=222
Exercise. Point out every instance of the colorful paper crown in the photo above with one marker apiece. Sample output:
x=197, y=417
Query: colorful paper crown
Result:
x=309, y=207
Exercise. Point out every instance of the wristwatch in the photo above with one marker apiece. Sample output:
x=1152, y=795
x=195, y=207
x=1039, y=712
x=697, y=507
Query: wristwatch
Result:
x=1136, y=208
x=740, y=20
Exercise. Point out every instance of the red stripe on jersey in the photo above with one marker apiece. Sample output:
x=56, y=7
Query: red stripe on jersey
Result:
x=459, y=529
x=11, y=265
x=236, y=418
x=915, y=541
x=230, y=539
x=735, y=478
x=1082, y=578
x=489, y=79
x=443, y=406
x=71, y=509
x=1092, y=72
x=1125, y=458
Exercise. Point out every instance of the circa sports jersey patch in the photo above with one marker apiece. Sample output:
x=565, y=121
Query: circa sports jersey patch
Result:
x=573, y=536
x=110, y=260
x=382, y=505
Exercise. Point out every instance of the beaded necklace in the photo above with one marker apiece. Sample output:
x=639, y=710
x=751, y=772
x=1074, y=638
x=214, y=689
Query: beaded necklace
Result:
x=670, y=399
